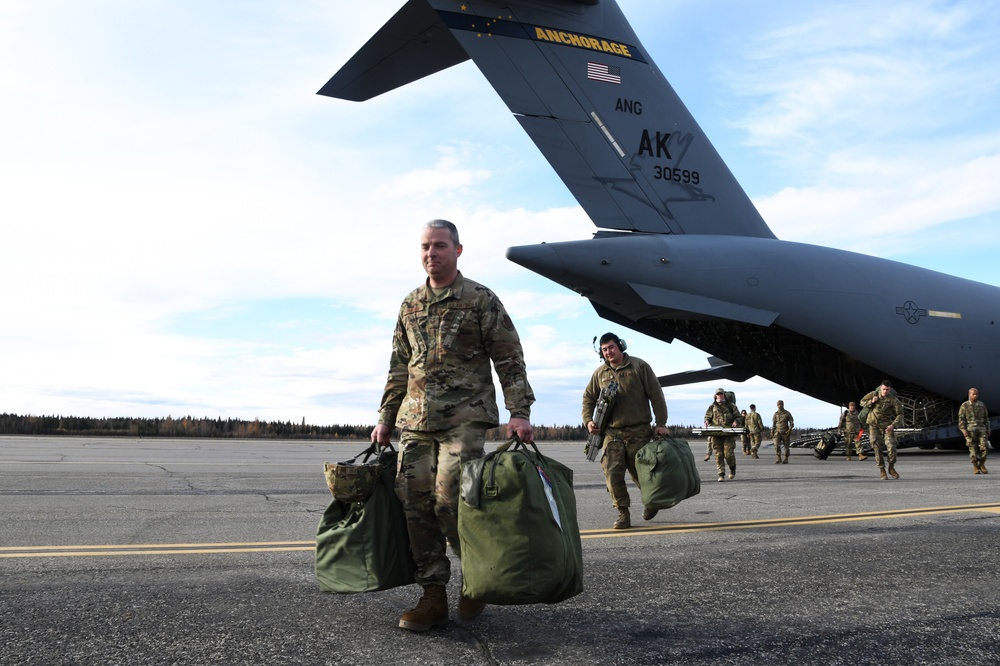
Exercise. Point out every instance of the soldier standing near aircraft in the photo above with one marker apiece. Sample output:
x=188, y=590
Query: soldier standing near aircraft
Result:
x=974, y=422
x=849, y=427
x=745, y=437
x=440, y=394
x=755, y=425
x=781, y=430
x=722, y=413
x=884, y=416
x=627, y=427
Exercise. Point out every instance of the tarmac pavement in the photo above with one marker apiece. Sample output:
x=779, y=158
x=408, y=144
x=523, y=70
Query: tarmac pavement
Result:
x=116, y=551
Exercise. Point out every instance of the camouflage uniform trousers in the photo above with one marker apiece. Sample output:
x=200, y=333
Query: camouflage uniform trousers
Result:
x=782, y=438
x=754, y=441
x=746, y=442
x=851, y=443
x=428, y=484
x=978, y=439
x=725, y=453
x=884, y=444
x=620, y=447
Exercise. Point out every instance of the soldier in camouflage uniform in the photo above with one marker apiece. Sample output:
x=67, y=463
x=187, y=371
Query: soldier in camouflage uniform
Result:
x=626, y=429
x=781, y=431
x=974, y=422
x=884, y=416
x=745, y=437
x=849, y=426
x=755, y=425
x=724, y=414
x=440, y=394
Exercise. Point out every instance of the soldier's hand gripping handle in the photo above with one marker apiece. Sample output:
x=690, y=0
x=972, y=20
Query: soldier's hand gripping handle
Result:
x=522, y=428
x=381, y=434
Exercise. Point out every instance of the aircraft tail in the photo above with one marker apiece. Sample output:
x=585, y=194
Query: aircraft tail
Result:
x=588, y=94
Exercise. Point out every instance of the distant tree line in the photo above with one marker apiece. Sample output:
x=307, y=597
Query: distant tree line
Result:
x=187, y=426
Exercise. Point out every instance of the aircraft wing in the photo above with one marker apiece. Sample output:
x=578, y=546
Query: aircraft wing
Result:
x=719, y=370
x=581, y=85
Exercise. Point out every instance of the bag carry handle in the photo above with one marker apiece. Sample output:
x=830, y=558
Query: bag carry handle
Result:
x=371, y=451
x=516, y=442
x=513, y=444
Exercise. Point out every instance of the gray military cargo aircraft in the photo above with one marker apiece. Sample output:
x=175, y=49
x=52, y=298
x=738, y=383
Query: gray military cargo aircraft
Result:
x=681, y=253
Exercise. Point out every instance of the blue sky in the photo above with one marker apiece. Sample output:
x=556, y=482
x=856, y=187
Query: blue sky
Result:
x=190, y=230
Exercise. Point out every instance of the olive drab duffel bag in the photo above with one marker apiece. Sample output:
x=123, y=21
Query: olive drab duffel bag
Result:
x=825, y=446
x=667, y=473
x=364, y=546
x=518, y=530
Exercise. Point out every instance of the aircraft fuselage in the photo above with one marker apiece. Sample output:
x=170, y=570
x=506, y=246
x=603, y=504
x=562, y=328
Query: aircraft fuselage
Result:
x=877, y=315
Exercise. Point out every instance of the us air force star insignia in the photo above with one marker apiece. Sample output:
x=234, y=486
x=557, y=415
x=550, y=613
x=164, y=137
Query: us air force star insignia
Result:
x=911, y=312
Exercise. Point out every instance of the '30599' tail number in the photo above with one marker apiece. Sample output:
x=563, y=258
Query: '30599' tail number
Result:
x=677, y=175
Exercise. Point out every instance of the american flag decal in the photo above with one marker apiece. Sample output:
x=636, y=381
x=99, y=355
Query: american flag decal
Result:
x=601, y=72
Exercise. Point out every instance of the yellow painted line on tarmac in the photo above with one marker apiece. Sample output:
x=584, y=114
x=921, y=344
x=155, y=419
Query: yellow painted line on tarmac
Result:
x=782, y=522
x=7, y=552
x=155, y=549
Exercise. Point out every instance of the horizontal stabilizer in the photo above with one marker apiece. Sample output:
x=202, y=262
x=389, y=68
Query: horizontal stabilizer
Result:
x=411, y=45
x=719, y=370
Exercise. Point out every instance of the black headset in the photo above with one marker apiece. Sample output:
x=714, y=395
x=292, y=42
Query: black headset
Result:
x=618, y=341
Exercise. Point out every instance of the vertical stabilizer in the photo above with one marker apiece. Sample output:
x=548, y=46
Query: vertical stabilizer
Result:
x=590, y=97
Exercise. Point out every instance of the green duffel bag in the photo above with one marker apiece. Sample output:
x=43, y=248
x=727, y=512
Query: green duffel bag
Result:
x=364, y=546
x=667, y=473
x=518, y=530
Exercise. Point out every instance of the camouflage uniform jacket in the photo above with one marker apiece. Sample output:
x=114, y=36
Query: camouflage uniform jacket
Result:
x=782, y=421
x=887, y=411
x=638, y=387
x=754, y=422
x=439, y=371
x=974, y=417
x=849, y=422
x=722, y=414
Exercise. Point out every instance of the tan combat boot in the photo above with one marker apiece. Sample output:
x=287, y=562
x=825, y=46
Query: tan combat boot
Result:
x=975, y=467
x=785, y=461
x=848, y=456
x=431, y=610
x=624, y=519
x=982, y=466
x=862, y=456
x=881, y=474
x=892, y=472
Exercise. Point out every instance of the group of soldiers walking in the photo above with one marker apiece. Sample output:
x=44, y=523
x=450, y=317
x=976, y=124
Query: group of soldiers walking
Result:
x=637, y=398
x=881, y=416
x=885, y=415
x=723, y=413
